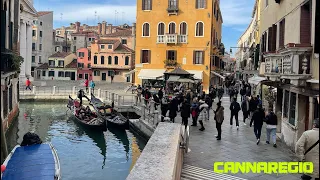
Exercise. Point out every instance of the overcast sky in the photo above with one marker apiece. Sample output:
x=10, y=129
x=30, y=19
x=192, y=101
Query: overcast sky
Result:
x=236, y=14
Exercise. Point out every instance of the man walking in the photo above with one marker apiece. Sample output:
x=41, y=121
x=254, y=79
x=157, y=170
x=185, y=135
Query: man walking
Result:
x=245, y=109
x=92, y=85
x=219, y=117
x=271, y=121
x=185, y=112
x=28, y=83
x=235, y=108
x=194, y=112
x=208, y=101
x=139, y=93
x=307, y=149
x=257, y=117
x=86, y=84
x=203, y=113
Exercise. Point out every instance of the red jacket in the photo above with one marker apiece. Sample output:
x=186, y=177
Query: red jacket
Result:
x=86, y=83
x=28, y=82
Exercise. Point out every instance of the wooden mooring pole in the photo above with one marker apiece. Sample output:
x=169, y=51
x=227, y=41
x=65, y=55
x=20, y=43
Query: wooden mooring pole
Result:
x=4, y=149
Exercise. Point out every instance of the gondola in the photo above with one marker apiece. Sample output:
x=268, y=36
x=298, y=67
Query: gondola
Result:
x=108, y=113
x=93, y=120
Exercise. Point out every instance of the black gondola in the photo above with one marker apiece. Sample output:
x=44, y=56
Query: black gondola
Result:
x=108, y=113
x=93, y=120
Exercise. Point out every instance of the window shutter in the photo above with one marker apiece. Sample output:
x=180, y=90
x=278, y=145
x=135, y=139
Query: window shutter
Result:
x=205, y=4
x=269, y=38
x=175, y=55
x=141, y=56
x=167, y=55
x=143, y=4
x=150, y=1
x=149, y=56
x=196, y=3
x=194, y=57
x=202, y=57
x=274, y=37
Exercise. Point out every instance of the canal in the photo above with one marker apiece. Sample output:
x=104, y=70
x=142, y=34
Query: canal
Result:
x=84, y=154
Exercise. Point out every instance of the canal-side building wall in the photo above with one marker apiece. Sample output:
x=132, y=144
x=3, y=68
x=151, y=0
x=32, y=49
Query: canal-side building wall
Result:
x=84, y=64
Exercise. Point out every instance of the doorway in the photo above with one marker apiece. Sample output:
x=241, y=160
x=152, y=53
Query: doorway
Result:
x=104, y=77
x=73, y=76
x=86, y=76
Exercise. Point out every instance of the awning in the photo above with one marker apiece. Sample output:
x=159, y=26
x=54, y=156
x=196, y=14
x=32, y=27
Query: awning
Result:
x=217, y=74
x=150, y=73
x=173, y=79
x=255, y=80
x=197, y=74
x=129, y=73
x=184, y=80
x=313, y=81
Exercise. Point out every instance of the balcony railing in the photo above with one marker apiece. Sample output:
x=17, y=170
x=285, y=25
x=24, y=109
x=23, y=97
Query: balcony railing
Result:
x=173, y=9
x=110, y=66
x=172, y=39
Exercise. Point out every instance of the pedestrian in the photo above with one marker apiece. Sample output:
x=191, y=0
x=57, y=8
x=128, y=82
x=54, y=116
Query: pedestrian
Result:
x=139, y=92
x=245, y=109
x=160, y=93
x=253, y=104
x=259, y=100
x=188, y=96
x=185, y=112
x=92, y=85
x=28, y=84
x=156, y=101
x=272, y=122
x=220, y=92
x=235, y=92
x=81, y=95
x=235, y=108
x=86, y=84
x=219, y=117
x=147, y=96
x=194, y=112
x=164, y=107
x=257, y=118
x=231, y=93
x=208, y=101
x=203, y=113
x=242, y=93
x=173, y=108
x=307, y=149
x=248, y=90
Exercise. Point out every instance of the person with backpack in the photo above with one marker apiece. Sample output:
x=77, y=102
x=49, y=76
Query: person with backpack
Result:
x=235, y=108
x=92, y=85
x=185, y=112
x=258, y=118
x=307, y=150
x=272, y=122
x=194, y=112
x=219, y=117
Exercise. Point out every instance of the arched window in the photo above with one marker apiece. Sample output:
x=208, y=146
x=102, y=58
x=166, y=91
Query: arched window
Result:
x=146, y=29
x=161, y=27
x=183, y=28
x=199, y=29
x=95, y=60
x=126, y=61
x=102, y=59
x=109, y=60
x=116, y=60
x=172, y=28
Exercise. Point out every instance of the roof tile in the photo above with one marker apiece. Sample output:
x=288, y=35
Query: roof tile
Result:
x=60, y=55
x=73, y=64
x=119, y=34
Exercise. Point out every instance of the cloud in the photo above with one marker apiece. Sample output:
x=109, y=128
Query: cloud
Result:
x=236, y=12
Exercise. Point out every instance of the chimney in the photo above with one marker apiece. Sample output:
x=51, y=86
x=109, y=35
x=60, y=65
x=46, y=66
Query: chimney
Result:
x=77, y=27
x=99, y=28
x=104, y=27
x=133, y=36
x=133, y=29
x=110, y=28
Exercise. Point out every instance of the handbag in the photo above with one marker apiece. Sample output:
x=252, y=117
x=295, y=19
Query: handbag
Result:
x=310, y=148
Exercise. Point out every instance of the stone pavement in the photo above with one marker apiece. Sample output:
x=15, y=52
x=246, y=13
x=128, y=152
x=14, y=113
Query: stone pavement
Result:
x=235, y=145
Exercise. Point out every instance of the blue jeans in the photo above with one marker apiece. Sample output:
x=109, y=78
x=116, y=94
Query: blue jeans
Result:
x=272, y=132
x=257, y=131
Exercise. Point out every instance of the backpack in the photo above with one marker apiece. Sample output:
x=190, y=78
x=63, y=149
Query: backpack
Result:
x=237, y=107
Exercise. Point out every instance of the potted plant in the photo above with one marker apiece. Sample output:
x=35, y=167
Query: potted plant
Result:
x=16, y=61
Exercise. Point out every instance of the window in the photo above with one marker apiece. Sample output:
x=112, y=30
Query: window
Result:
x=75, y=38
x=281, y=33
x=146, y=4
x=292, y=114
x=109, y=46
x=74, y=48
x=116, y=60
x=128, y=79
x=34, y=33
x=33, y=46
x=217, y=17
x=171, y=55
x=172, y=28
x=198, y=57
x=199, y=29
x=173, y=4
x=51, y=63
x=61, y=63
x=215, y=9
x=51, y=73
x=161, y=27
x=123, y=41
x=102, y=46
x=80, y=65
x=89, y=65
x=146, y=29
x=81, y=54
x=80, y=76
x=267, y=3
x=126, y=61
x=39, y=59
x=112, y=73
x=60, y=74
x=109, y=60
x=183, y=28
x=145, y=56
x=96, y=73
x=285, y=104
x=95, y=60
x=305, y=23
x=40, y=47
x=40, y=23
x=43, y=73
x=67, y=74
x=316, y=108
x=200, y=4
x=40, y=33
x=102, y=59
x=33, y=59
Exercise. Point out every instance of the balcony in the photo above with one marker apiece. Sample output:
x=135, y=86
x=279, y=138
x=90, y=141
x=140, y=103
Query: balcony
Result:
x=173, y=10
x=110, y=66
x=291, y=63
x=172, y=39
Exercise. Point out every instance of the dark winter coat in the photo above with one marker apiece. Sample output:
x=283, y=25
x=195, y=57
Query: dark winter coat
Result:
x=242, y=92
x=271, y=119
x=194, y=110
x=173, y=108
x=185, y=110
x=209, y=102
x=160, y=94
x=258, y=118
x=253, y=104
x=244, y=106
x=235, y=107
x=156, y=99
x=147, y=95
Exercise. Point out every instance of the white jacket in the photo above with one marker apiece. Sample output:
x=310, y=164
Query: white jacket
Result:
x=307, y=139
x=204, y=113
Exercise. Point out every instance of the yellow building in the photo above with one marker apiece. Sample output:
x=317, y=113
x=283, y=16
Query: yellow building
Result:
x=183, y=33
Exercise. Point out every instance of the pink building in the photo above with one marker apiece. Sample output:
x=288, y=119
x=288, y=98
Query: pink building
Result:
x=84, y=64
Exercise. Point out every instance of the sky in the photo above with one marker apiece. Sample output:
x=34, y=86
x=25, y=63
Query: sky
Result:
x=236, y=14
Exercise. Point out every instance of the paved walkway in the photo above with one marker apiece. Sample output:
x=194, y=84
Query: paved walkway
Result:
x=236, y=145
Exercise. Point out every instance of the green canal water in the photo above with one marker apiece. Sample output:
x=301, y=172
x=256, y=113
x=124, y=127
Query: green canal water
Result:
x=84, y=154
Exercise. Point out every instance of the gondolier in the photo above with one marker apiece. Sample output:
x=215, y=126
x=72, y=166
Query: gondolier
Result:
x=81, y=95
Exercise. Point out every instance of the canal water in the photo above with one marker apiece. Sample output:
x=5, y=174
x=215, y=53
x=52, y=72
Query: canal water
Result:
x=84, y=154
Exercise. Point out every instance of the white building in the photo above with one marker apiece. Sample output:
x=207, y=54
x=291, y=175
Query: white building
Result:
x=27, y=13
x=42, y=40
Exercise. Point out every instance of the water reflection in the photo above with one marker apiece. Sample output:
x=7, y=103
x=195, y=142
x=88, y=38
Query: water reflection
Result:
x=84, y=153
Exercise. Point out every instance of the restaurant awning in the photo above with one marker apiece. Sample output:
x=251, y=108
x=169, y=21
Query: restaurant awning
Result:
x=173, y=79
x=197, y=74
x=217, y=74
x=255, y=80
x=129, y=73
x=150, y=73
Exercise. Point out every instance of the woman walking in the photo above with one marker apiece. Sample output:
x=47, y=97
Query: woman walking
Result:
x=185, y=112
x=194, y=112
x=203, y=115
x=219, y=117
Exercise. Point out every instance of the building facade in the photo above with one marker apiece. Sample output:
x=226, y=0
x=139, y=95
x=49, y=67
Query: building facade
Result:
x=84, y=64
x=25, y=38
x=42, y=40
x=167, y=36
x=290, y=58
x=111, y=58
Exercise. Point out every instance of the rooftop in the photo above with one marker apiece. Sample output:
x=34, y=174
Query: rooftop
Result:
x=119, y=34
x=60, y=55
x=106, y=41
x=73, y=64
x=42, y=13
x=123, y=48
x=43, y=66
